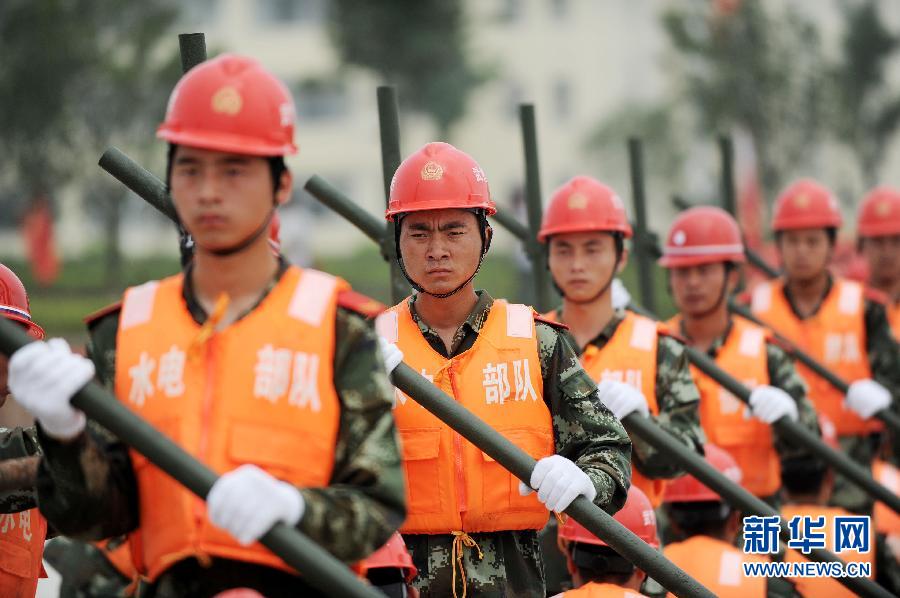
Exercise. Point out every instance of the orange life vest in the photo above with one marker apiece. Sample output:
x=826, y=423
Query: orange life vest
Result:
x=727, y=421
x=601, y=590
x=260, y=391
x=451, y=485
x=630, y=357
x=718, y=566
x=893, y=313
x=885, y=519
x=824, y=586
x=835, y=336
x=22, y=538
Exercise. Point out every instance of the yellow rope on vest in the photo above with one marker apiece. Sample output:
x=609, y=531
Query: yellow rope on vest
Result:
x=462, y=540
x=209, y=327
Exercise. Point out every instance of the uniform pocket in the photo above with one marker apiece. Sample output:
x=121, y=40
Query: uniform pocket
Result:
x=421, y=448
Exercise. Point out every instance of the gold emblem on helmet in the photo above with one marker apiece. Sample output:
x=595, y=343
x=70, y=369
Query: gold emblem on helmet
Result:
x=227, y=101
x=432, y=171
x=801, y=201
x=883, y=208
x=577, y=201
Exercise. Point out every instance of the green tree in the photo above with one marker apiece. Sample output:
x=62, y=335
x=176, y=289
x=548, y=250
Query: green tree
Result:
x=867, y=110
x=417, y=45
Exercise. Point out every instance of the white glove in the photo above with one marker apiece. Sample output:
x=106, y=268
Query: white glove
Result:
x=866, y=398
x=769, y=404
x=392, y=355
x=247, y=502
x=558, y=482
x=43, y=378
x=622, y=399
x=620, y=295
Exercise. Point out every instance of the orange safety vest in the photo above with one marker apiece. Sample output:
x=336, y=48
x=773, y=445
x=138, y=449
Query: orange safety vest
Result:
x=718, y=566
x=824, y=586
x=601, y=590
x=886, y=520
x=727, y=421
x=260, y=391
x=451, y=485
x=893, y=313
x=835, y=336
x=630, y=357
x=22, y=538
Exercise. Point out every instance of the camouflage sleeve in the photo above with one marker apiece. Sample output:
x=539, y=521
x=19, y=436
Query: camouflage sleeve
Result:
x=882, y=349
x=783, y=375
x=365, y=501
x=679, y=403
x=585, y=431
x=16, y=443
x=86, y=486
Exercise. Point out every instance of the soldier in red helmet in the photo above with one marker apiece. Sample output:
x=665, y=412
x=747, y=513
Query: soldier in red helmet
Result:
x=391, y=569
x=265, y=371
x=878, y=232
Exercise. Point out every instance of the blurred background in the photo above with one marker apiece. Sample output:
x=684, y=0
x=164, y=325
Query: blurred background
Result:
x=804, y=88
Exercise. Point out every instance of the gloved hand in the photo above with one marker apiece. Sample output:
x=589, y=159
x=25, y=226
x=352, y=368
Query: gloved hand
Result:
x=247, y=502
x=43, y=378
x=769, y=404
x=866, y=398
x=392, y=355
x=622, y=399
x=620, y=295
x=558, y=482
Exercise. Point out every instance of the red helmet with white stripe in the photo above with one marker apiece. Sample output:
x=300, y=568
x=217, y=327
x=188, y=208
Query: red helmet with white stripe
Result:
x=14, y=302
x=703, y=235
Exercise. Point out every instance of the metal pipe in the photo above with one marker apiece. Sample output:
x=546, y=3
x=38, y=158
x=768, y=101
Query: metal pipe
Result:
x=139, y=180
x=318, y=567
x=518, y=230
x=642, y=237
x=726, y=155
x=372, y=227
x=193, y=50
x=389, y=128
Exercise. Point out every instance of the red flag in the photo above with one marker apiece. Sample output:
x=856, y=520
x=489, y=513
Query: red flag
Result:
x=37, y=231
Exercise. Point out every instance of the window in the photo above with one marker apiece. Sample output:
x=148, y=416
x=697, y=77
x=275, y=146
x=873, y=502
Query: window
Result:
x=282, y=12
x=320, y=99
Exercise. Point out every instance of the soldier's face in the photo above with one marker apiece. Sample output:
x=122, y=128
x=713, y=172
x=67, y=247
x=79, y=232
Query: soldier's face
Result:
x=222, y=198
x=581, y=263
x=883, y=255
x=697, y=289
x=440, y=248
x=805, y=253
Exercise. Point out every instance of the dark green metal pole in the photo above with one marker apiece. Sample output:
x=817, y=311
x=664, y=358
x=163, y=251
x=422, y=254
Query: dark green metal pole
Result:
x=373, y=227
x=389, y=126
x=726, y=154
x=890, y=418
x=521, y=464
x=193, y=50
x=642, y=237
x=318, y=567
x=543, y=296
x=139, y=180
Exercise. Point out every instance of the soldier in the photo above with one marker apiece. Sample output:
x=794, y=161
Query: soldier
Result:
x=702, y=252
x=391, y=570
x=242, y=359
x=878, y=233
x=834, y=320
x=471, y=526
x=638, y=364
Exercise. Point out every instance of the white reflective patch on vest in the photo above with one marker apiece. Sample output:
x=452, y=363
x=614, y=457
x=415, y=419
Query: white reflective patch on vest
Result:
x=850, y=298
x=137, y=307
x=387, y=325
x=519, y=321
x=643, y=335
x=311, y=297
x=730, y=569
x=762, y=298
x=888, y=477
x=751, y=342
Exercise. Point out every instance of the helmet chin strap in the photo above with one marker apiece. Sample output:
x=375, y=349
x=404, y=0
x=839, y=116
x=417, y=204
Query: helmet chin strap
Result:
x=722, y=296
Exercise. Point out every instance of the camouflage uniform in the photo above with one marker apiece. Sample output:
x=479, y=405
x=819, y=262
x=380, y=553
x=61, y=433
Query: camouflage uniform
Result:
x=87, y=487
x=16, y=443
x=584, y=430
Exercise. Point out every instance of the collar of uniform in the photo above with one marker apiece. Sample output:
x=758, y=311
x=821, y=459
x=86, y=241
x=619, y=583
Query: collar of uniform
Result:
x=608, y=331
x=790, y=299
x=717, y=344
x=468, y=329
x=196, y=310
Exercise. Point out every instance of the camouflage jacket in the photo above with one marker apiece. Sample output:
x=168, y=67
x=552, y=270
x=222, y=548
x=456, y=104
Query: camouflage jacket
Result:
x=676, y=396
x=783, y=375
x=87, y=488
x=16, y=443
x=585, y=432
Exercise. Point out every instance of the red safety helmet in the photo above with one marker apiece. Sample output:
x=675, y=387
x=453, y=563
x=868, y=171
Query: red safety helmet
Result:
x=702, y=235
x=584, y=204
x=14, y=302
x=637, y=516
x=687, y=488
x=239, y=593
x=879, y=214
x=436, y=177
x=806, y=204
x=393, y=555
x=231, y=104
